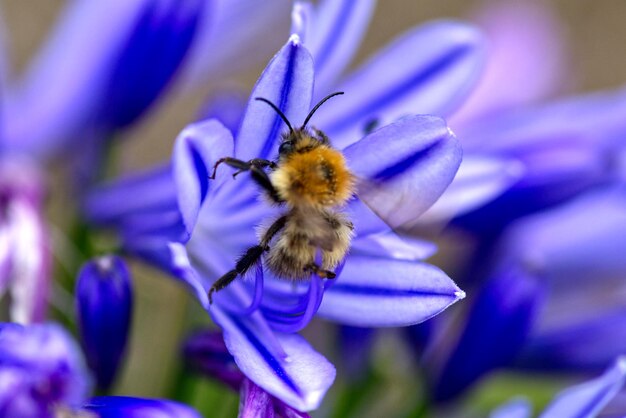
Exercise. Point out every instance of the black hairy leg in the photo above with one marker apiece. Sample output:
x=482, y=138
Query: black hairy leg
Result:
x=255, y=166
x=242, y=166
x=249, y=258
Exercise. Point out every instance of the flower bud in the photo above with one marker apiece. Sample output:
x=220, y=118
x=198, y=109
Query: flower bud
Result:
x=104, y=305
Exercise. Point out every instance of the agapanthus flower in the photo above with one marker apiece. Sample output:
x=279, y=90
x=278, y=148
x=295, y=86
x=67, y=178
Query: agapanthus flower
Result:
x=549, y=304
x=217, y=220
x=87, y=86
x=41, y=369
x=104, y=303
x=43, y=375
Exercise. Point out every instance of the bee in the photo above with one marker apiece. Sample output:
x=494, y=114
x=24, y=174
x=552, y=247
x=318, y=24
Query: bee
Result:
x=311, y=180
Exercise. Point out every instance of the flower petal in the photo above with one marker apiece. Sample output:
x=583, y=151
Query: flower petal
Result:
x=403, y=168
x=288, y=83
x=428, y=70
x=373, y=292
x=300, y=379
x=596, y=217
x=480, y=179
x=198, y=147
x=336, y=32
x=127, y=407
x=588, y=399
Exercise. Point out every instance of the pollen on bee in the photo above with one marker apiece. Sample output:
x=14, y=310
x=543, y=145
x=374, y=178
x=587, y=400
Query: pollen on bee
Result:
x=318, y=177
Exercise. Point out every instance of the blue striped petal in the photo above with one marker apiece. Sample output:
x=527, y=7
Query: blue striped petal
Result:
x=377, y=292
x=300, y=378
x=336, y=31
x=429, y=70
x=197, y=149
x=287, y=81
x=404, y=167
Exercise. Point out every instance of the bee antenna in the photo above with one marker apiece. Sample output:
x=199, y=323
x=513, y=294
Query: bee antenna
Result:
x=317, y=106
x=280, y=113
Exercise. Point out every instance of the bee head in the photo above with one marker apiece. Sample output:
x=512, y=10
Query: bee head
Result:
x=299, y=138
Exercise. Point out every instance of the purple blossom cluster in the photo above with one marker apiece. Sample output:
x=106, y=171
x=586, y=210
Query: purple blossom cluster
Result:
x=451, y=130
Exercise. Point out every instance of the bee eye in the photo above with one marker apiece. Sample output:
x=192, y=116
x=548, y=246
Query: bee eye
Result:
x=285, y=148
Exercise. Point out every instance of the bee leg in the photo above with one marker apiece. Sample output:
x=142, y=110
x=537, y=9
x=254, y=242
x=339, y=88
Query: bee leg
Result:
x=263, y=180
x=249, y=258
x=242, y=165
x=324, y=274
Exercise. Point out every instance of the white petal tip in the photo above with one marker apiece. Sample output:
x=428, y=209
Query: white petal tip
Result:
x=294, y=39
x=621, y=364
x=459, y=294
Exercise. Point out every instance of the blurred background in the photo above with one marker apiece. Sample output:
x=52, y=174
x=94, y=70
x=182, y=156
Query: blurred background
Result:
x=594, y=33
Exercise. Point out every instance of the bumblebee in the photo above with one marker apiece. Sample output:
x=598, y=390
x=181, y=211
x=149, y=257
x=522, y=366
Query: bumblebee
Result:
x=312, y=181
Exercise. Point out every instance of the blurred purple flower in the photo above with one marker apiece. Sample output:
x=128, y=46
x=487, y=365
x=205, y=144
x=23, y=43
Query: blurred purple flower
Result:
x=554, y=301
x=25, y=256
x=43, y=375
x=583, y=400
x=79, y=85
x=40, y=369
x=383, y=270
x=104, y=307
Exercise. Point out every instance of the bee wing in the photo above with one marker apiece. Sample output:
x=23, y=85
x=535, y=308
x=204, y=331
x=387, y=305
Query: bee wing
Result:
x=404, y=167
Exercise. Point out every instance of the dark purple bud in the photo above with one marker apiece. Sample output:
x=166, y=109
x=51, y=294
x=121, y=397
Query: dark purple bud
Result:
x=498, y=324
x=104, y=305
x=257, y=403
x=205, y=352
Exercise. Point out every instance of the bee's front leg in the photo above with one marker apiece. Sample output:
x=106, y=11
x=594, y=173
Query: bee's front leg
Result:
x=242, y=166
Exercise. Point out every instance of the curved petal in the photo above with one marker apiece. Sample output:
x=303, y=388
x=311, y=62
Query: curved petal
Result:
x=429, y=70
x=404, y=167
x=391, y=245
x=375, y=292
x=335, y=34
x=127, y=407
x=198, y=147
x=480, y=179
x=588, y=399
x=300, y=379
x=287, y=81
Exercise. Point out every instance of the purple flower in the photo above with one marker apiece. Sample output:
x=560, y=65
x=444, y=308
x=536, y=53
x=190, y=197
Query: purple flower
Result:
x=40, y=369
x=217, y=220
x=82, y=85
x=550, y=304
x=104, y=307
x=583, y=400
x=43, y=375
